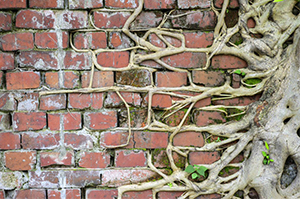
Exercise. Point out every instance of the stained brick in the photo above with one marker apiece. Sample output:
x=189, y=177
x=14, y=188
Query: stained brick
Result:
x=161, y=160
x=44, y=19
x=70, y=79
x=93, y=40
x=64, y=194
x=9, y=141
x=40, y=60
x=210, y=196
x=184, y=4
x=72, y=19
x=124, y=158
x=46, y=3
x=29, y=121
x=7, y=102
x=147, y=20
x=113, y=100
x=71, y=121
x=232, y=3
x=138, y=194
x=198, y=39
x=108, y=139
x=1, y=194
x=53, y=102
x=168, y=195
x=160, y=100
x=100, y=79
x=5, y=21
x=30, y=194
x=186, y=60
x=5, y=121
x=204, y=118
x=189, y=139
x=113, y=59
x=227, y=62
x=121, y=3
x=101, y=193
x=49, y=40
x=52, y=79
x=195, y=20
x=17, y=41
x=44, y=179
x=77, y=61
x=12, y=4
x=82, y=178
x=155, y=40
x=138, y=78
x=100, y=120
x=77, y=4
x=94, y=160
x=57, y=158
x=21, y=161
x=203, y=157
x=22, y=80
x=119, y=40
x=41, y=140
x=159, y=4
x=241, y=101
x=208, y=78
x=110, y=20
x=150, y=140
x=28, y=102
x=82, y=101
x=78, y=141
x=171, y=79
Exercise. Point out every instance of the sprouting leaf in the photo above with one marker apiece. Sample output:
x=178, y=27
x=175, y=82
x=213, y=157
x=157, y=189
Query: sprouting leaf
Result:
x=189, y=169
x=265, y=161
x=277, y=0
x=243, y=73
x=264, y=153
x=268, y=161
x=271, y=160
x=195, y=175
x=201, y=170
x=170, y=184
x=238, y=71
x=267, y=146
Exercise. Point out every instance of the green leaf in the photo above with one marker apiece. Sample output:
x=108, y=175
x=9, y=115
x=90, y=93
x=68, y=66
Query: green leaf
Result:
x=189, y=169
x=277, y=0
x=265, y=161
x=238, y=71
x=201, y=170
x=268, y=162
x=170, y=184
x=243, y=73
x=267, y=146
x=264, y=153
x=195, y=175
x=271, y=160
x=253, y=81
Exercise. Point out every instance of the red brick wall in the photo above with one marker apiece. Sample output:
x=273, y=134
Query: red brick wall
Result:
x=56, y=145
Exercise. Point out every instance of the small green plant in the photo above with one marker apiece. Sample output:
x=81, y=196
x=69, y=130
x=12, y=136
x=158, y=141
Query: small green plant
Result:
x=253, y=81
x=218, y=140
x=266, y=155
x=239, y=72
x=196, y=171
x=170, y=184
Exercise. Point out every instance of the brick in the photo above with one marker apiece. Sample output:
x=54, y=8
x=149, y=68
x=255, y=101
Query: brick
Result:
x=82, y=178
x=159, y=4
x=160, y=100
x=70, y=79
x=77, y=61
x=199, y=103
x=100, y=79
x=236, y=80
x=35, y=19
x=113, y=59
x=21, y=161
x=22, y=80
x=11, y=180
x=176, y=118
x=113, y=100
x=9, y=141
x=71, y=121
x=83, y=101
x=210, y=196
x=148, y=194
x=171, y=79
x=203, y=157
x=44, y=179
x=241, y=101
x=198, y=39
x=40, y=60
x=53, y=102
x=251, y=23
x=67, y=79
x=17, y=41
x=138, y=78
x=57, y=158
x=7, y=102
x=29, y=121
x=208, y=78
x=64, y=194
x=78, y=141
x=110, y=20
x=195, y=20
x=100, y=120
x=52, y=79
x=124, y=158
x=227, y=62
x=189, y=139
x=138, y=117
x=101, y=193
x=1, y=78
x=155, y=40
x=49, y=40
x=167, y=195
x=5, y=121
x=204, y=118
x=119, y=40
x=1, y=194
x=232, y=3
x=114, y=139
x=185, y=4
x=150, y=140
x=46, y=3
x=12, y=4
x=77, y=4
x=91, y=40
x=72, y=19
x=94, y=160
x=41, y=140
x=28, y=102
x=5, y=21
x=121, y=3
x=147, y=20
x=186, y=60
x=31, y=194
x=161, y=160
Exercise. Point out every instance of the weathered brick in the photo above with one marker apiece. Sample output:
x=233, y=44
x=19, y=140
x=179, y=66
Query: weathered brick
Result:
x=241, y=101
x=138, y=78
x=77, y=4
x=41, y=140
x=121, y=3
x=67, y=79
x=110, y=20
x=198, y=39
x=148, y=194
x=12, y=4
x=57, y=158
x=232, y=3
x=9, y=141
x=150, y=140
x=161, y=160
x=159, y=4
x=125, y=158
x=82, y=101
x=5, y=21
x=195, y=20
x=171, y=79
x=101, y=193
x=1, y=78
x=236, y=80
x=100, y=79
x=204, y=118
x=100, y=120
x=29, y=121
x=5, y=121
x=113, y=100
x=49, y=40
x=147, y=20
x=82, y=178
x=227, y=62
x=22, y=80
x=114, y=139
x=46, y=3
x=93, y=40
x=119, y=40
x=7, y=102
x=210, y=196
x=203, y=157
x=159, y=101
x=30, y=194
x=138, y=117
x=199, y=103
x=78, y=141
x=70, y=79
x=251, y=23
x=113, y=59
x=35, y=19
x=184, y=4
x=176, y=118
x=16, y=179
x=52, y=79
x=155, y=40
x=40, y=60
x=53, y=102
x=28, y=102
x=44, y=179
x=168, y=195
x=208, y=78
x=71, y=121
x=17, y=41
x=77, y=61
x=72, y=19
x=94, y=160
x=1, y=194
x=189, y=139
x=186, y=60
x=20, y=160
x=64, y=194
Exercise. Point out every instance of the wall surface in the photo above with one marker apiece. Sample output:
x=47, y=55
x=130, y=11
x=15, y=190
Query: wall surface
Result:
x=60, y=145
